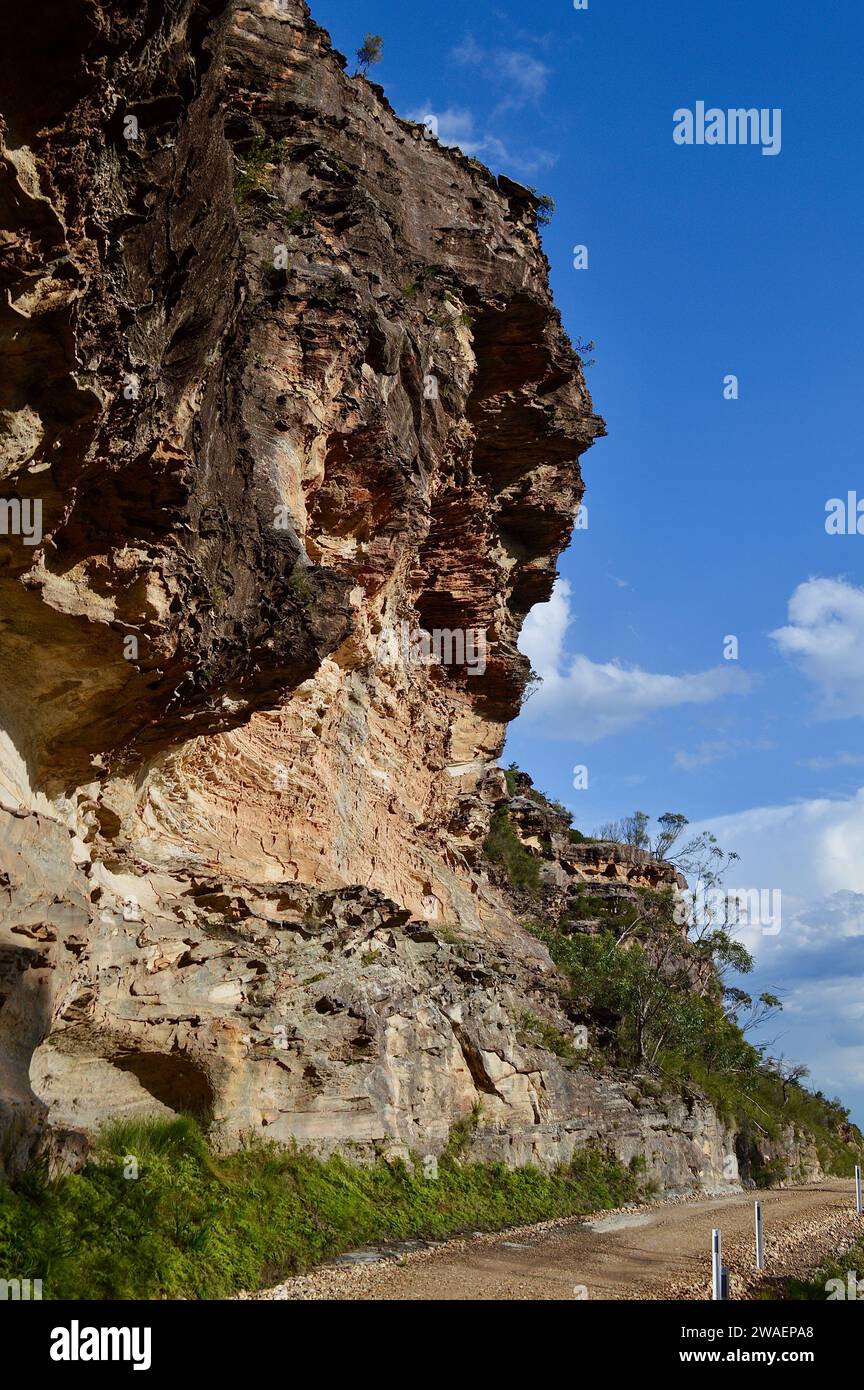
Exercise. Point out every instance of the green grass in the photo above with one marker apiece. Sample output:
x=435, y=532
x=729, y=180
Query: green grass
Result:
x=252, y=174
x=300, y=587
x=192, y=1225
x=814, y=1290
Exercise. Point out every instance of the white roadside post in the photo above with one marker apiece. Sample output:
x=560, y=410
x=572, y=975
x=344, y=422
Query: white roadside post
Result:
x=760, y=1244
x=716, y=1266
x=858, y=1207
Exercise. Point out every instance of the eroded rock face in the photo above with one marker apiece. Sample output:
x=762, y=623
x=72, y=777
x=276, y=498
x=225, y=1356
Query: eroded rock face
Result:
x=333, y=1019
x=283, y=384
x=286, y=379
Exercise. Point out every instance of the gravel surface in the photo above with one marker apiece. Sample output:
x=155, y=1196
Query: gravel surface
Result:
x=667, y=1255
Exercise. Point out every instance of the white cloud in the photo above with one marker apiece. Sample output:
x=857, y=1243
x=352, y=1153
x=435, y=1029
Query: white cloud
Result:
x=455, y=124
x=811, y=851
x=825, y=639
x=825, y=1027
x=456, y=127
x=522, y=77
x=834, y=760
x=545, y=628
x=704, y=755
x=587, y=700
x=716, y=750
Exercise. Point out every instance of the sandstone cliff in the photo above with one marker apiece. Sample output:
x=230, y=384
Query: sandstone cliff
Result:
x=284, y=374
x=281, y=378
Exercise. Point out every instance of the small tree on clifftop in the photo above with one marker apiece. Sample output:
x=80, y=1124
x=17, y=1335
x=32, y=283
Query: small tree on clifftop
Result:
x=370, y=53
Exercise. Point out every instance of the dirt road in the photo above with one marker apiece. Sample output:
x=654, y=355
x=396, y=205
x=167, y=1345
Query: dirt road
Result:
x=659, y=1252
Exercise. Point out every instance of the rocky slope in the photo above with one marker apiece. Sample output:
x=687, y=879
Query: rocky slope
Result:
x=282, y=382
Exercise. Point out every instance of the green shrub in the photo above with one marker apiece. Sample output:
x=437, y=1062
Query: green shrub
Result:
x=815, y=1290
x=657, y=1021
x=503, y=847
x=770, y=1174
x=540, y=1031
x=251, y=173
x=545, y=207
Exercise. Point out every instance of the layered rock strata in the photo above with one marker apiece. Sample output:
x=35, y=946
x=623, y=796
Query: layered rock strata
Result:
x=282, y=387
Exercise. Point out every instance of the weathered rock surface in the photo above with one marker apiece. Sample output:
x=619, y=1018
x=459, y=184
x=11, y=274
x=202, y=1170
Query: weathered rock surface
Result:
x=283, y=376
x=307, y=384
x=330, y=1018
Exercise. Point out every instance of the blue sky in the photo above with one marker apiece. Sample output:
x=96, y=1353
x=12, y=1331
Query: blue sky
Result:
x=706, y=516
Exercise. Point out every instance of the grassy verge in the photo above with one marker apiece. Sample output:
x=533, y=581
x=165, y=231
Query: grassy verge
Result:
x=191, y=1225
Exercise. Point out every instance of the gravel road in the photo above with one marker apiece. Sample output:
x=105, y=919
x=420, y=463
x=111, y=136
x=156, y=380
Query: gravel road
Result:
x=660, y=1251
